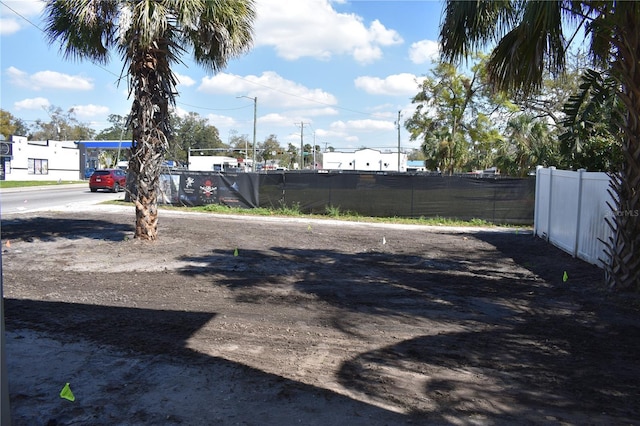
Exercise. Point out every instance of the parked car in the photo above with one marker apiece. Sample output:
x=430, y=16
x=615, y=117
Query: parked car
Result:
x=114, y=180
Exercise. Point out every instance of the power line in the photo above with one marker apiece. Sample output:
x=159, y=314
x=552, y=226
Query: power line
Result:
x=14, y=11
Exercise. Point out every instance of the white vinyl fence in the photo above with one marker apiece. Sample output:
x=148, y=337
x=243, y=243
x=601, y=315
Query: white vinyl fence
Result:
x=570, y=211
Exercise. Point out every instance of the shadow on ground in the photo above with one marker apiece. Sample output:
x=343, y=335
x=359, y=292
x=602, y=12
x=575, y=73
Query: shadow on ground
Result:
x=538, y=347
x=50, y=228
x=522, y=345
x=533, y=253
x=164, y=334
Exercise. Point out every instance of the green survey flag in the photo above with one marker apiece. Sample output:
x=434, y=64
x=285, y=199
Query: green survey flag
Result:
x=235, y=252
x=565, y=277
x=67, y=394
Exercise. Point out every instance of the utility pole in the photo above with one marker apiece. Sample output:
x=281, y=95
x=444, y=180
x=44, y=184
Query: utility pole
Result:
x=302, y=145
x=255, y=116
x=398, y=123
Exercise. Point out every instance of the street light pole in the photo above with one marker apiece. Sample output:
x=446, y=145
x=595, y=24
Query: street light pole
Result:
x=255, y=116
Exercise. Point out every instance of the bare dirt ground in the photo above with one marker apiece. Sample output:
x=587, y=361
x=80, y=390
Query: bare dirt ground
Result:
x=264, y=321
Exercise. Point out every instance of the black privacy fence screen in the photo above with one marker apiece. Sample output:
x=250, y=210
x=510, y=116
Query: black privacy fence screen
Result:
x=495, y=199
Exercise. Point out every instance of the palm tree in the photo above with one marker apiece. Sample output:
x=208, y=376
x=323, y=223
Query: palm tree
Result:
x=526, y=144
x=529, y=38
x=151, y=36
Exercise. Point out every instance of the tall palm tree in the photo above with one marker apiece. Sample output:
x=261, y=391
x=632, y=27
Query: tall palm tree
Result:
x=527, y=37
x=151, y=36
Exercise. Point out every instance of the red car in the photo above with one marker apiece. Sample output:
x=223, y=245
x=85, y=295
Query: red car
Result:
x=114, y=180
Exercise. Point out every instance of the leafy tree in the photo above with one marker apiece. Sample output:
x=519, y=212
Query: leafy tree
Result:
x=529, y=38
x=10, y=125
x=442, y=103
x=451, y=117
x=484, y=137
x=117, y=131
x=151, y=37
x=63, y=126
x=192, y=132
x=527, y=144
x=291, y=156
x=307, y=156
x=241, y=147
x=270, y=149
x=415, y=155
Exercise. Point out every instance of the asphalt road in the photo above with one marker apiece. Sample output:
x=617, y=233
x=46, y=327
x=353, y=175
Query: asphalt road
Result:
x=15, y=201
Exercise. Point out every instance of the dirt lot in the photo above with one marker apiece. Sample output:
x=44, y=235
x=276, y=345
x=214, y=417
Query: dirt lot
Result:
x=264, y=321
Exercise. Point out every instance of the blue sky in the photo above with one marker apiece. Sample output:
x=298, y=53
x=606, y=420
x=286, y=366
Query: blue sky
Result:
x=343, y=68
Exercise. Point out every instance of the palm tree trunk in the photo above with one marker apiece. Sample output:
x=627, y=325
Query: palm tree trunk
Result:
x=623, y=273
x=150, y=122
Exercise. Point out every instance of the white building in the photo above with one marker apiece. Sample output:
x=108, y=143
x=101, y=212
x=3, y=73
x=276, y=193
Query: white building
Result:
x=365, y=160
x=41, y=160
x=209, y=163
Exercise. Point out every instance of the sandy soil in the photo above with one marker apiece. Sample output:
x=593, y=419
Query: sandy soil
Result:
x=264, y=321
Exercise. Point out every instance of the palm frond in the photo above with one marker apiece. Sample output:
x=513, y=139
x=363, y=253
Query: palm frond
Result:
x=224, y=31
x=84, y=28
x=593, y=118
x=469, y=25
x=537, y=43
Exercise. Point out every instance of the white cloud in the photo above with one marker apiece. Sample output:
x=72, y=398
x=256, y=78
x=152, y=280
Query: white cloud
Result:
x=8, y=26
x=179, y=111
x=221, y=121
x=330, y=134
x=270, y=89
x=403, y=84
x=88, y=111
x=33, y=103
x=12, y=12
x=312, y=28
x=18, y=77
x=48, y=80
x=363, y=125
x=320, y=112
x=185, y=80
x=56, y=80
x=424, y=51
x=223, y=83
x=275, y=119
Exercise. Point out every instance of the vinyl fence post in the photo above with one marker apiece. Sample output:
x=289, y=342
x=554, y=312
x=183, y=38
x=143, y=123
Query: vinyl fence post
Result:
x=550, y=209
x=578, y=212
x=536, y=212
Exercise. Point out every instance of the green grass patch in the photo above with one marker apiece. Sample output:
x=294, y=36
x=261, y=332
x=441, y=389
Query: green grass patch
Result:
x=25, y=183
x=333, y=213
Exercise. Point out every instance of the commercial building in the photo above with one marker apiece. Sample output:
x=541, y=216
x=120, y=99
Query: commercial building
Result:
x=22, y=159
x=365, y=160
